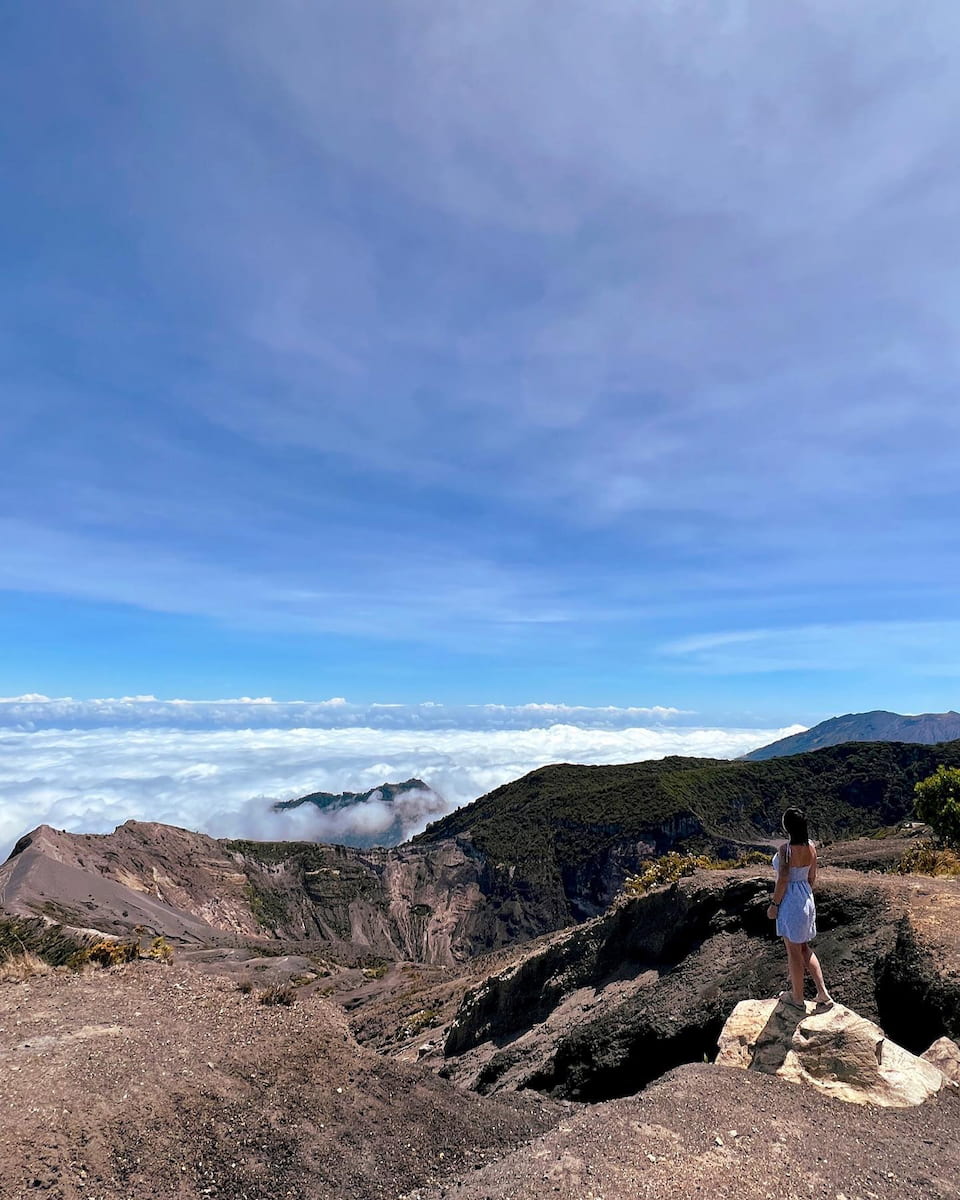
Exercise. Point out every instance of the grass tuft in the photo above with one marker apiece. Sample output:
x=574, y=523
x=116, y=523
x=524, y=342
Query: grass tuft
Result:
x=280, y=994
x=19, y=967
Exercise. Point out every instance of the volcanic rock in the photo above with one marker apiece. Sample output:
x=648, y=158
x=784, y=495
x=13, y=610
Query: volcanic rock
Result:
x=945, y=1055
x=833, y=1050
x=413, y=903
x=156, y=1081
x=601, y=1010
x=702, y=1131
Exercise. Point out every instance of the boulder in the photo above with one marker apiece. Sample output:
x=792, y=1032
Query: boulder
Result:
x=833, y=1050
x=945, y=1055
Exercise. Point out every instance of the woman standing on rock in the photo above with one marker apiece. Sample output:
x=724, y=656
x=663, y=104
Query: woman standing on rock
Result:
x=794, y=909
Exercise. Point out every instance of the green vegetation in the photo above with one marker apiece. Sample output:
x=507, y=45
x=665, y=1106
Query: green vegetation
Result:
x=269, y=908
x=31, y=936
x=31, y=944
x=105, y=954
x=552, y=823
x=926, y=859
x=673, y=866
x=306, y=855
x=421, y=1020
x=160, y=950
x=937, y=803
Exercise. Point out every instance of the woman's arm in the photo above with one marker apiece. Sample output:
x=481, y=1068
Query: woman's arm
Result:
x=812, y=873
x=783, y=877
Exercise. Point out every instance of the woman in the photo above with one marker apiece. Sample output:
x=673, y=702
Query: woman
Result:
x=794, y=910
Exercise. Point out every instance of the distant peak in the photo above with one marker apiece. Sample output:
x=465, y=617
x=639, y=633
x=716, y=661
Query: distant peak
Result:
x=878, y=725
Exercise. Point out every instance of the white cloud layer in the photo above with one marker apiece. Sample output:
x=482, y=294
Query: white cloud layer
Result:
x=223, y=781
x=33, y=712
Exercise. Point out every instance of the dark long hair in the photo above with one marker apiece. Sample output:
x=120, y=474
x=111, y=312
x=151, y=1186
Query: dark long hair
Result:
x=795, y=823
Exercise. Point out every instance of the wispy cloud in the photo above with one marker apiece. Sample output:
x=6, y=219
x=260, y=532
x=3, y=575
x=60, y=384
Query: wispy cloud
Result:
x=453, y=324
x=929, y=648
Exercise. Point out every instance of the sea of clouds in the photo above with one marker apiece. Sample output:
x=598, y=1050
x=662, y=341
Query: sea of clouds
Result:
x=218, y=766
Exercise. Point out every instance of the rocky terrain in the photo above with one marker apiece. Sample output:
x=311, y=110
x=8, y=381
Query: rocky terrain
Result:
x=876, y=726
x=599, y=1011
x=157, y=1082
x=466, y=1023
x=709, y=1131
x=405, y=903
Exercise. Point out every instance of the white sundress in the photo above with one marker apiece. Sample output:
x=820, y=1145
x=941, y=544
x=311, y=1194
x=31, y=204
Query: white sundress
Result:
x=797, y=914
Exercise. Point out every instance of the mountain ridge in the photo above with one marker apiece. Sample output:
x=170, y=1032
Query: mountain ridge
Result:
x=385, y=815
x=563, y=825
x=878, y=725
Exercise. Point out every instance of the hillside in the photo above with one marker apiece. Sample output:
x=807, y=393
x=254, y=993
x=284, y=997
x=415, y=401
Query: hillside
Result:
x=401, y=903
x=159, y=1082
x=571, y=828
x=877, y=726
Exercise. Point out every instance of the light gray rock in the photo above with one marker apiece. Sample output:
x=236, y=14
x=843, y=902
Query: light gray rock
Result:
x=945, y=1054
x=834, y=1051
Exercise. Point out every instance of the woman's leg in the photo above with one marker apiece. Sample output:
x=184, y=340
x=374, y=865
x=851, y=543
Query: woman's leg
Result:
x=795, y=962
x=812, y=964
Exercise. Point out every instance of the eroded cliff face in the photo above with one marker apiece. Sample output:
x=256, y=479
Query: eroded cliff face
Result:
x=398, y=903
x=432, y=904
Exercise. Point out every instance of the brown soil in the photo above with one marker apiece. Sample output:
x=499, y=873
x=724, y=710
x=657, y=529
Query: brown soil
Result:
x=716, y=1132
x=153, y=1081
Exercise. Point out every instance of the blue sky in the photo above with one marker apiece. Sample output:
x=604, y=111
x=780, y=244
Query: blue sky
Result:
x=598, y=353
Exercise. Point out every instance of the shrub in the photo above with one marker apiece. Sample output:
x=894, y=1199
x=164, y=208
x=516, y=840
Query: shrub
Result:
x=421, y=1020
x=937, y=803
x=245, y=986
x=927, y=859
x=160, y=951
x=280, y=993
x=105, y=954
x=673, y=866
x=53, y=944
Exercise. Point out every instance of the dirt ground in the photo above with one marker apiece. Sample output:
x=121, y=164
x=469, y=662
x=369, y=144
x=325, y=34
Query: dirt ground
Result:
x=150, y=1081
x=707, y=1131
